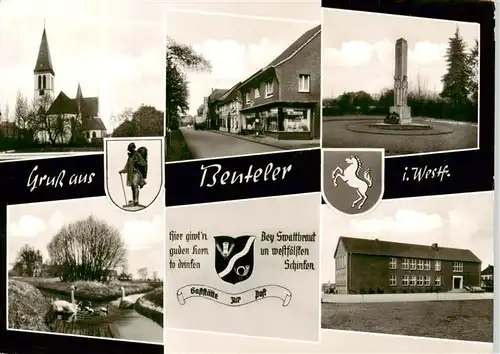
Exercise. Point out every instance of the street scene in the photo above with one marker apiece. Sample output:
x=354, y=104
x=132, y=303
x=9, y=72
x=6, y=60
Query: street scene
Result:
x=408, y=91
x=241, y=92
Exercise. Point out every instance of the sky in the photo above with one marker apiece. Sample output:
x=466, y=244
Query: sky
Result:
x=459, y=221
x=239, y=41
x=143, y=233
x=362, y=58
x=114, y=57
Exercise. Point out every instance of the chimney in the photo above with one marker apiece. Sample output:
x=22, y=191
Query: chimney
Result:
x=435, y=246
x=212, y=89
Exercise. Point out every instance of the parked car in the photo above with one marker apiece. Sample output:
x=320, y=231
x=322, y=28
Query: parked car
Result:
x=474, y=289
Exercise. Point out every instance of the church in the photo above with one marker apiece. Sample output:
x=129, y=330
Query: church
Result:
x=79, y=114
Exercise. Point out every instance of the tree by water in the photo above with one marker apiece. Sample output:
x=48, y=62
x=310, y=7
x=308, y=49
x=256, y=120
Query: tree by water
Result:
x=87, y=250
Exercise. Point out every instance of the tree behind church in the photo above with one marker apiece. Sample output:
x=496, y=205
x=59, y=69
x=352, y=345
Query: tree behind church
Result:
x=145, y=121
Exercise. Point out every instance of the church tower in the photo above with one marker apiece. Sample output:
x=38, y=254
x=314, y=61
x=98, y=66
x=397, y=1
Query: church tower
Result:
x=44, y=72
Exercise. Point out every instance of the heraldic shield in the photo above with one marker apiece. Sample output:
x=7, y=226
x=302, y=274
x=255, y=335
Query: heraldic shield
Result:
x=133, y=171
x=353, y=179
x=234, y=258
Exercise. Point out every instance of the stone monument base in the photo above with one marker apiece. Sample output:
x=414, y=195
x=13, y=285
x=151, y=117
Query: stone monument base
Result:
x=404, y=113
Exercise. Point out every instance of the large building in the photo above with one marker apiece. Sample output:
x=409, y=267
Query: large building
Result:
x=364, y=266
x=67, y=117
x=280, y=100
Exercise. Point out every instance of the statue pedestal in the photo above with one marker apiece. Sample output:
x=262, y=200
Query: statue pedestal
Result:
x=404, y=113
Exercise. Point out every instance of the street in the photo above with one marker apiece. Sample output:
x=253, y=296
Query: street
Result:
x=206, y=144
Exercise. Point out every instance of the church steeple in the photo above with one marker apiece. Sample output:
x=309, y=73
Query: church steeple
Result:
x=44, y=71
x=44, y=61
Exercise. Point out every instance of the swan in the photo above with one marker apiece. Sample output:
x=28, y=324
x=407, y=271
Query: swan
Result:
x=105, y=309
x=126, y=302
x=65, y=307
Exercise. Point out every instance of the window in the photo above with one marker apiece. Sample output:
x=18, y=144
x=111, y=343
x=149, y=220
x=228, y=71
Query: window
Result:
x=437, y=281
x=406, y=263
x=304, y=83
x=269, y=89
x=256, y=93
x=427, y=280
x=393, y=280
x=247, y=97
x=39, y=82
x=87, y=135
x=44, y=81
x=413, y=264
x=420, y=280
x=427, y=265
x=420, y=264
x=393, y=263
x=413, y=280
x=94, y=134
x=405, y=280
x=458, y=267
x=437, y=266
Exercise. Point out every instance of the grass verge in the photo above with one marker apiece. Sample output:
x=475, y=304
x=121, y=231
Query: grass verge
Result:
x=179, y=150
x=27, y=307
x=470, y=320
x=151, y=305
x=92, y=290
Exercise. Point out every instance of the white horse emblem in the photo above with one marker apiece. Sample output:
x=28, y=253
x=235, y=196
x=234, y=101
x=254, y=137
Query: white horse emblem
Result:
x=350, y=175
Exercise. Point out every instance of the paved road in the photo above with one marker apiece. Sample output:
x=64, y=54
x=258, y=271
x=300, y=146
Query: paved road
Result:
x=337, y=135
x=206, y=144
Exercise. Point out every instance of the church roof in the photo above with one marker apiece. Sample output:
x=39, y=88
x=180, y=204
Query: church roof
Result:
x=43, y=61
x=93, y=124
x=63, y=105
x=90, y=107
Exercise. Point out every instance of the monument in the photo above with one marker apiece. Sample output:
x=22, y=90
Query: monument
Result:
x=401, y=83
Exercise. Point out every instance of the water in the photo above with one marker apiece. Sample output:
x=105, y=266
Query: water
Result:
x=130, y=325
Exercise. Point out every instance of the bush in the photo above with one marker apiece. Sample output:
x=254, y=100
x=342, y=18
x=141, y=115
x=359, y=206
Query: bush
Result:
x=371, y=291
x=392, y=118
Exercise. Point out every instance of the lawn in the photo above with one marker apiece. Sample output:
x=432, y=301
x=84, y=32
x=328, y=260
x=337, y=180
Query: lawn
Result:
x=179, y=150
x=91, y=290
x=470, y=320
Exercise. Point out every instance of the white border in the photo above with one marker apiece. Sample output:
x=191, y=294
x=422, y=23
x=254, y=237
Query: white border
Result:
x=496, y=244
x=445, y=342
x=237, y=335
x=66, y=334
x=477, y=125
x=236, y=15
x=161, y=191
x=347, y=151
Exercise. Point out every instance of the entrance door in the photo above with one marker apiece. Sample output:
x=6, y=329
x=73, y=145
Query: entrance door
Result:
x=229, y=123
x=457, y=282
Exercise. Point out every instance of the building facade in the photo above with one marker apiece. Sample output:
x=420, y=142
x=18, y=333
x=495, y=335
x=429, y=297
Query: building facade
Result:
x=282, y=99
x=228, y=110
x=364, y=266
x=212, y=116
x=67, y=117
x=487, y=278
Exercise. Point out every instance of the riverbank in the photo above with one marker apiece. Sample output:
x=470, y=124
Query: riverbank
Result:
x=91, y=290
x=151, y=305
x=27, y=307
